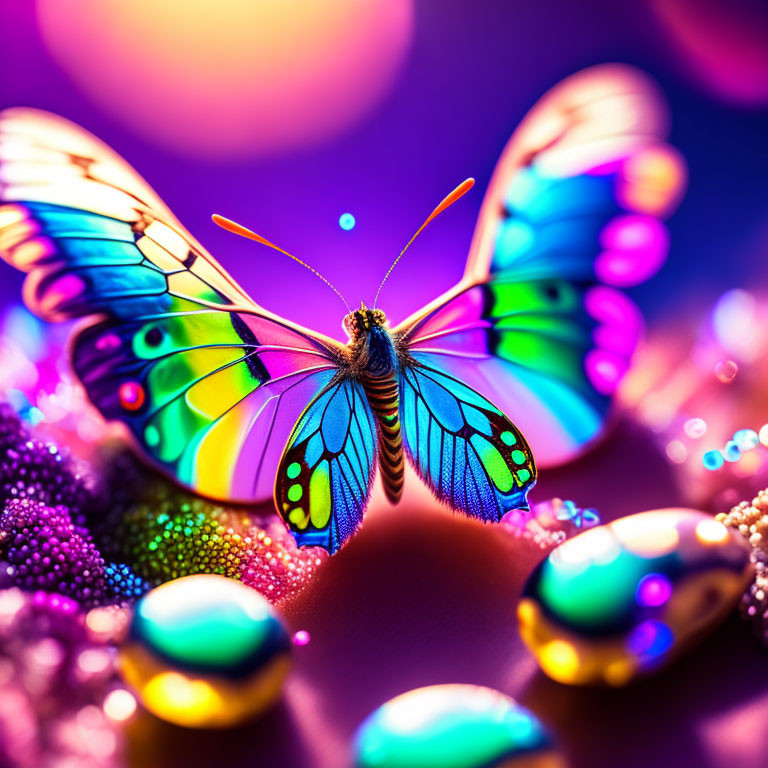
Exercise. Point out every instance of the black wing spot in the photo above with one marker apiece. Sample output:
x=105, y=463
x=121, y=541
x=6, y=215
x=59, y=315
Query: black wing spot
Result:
x=154, y=336
x=256, y=368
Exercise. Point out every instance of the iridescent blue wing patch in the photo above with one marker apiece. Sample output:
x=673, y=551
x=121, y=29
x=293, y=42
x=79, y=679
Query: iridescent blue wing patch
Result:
x=464, y=448
x=325, y=476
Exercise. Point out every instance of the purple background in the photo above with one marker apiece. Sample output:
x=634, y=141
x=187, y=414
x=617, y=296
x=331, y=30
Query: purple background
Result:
x=474, y=69
x=420, y=597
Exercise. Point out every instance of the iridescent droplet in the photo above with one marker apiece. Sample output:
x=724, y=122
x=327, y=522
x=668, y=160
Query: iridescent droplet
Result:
x=726, y=371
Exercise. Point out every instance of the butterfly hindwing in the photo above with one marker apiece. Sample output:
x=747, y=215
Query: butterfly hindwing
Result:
x=325, y=476
x=462, y=446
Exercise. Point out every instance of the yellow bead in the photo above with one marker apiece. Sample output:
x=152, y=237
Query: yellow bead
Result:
x=205, y=651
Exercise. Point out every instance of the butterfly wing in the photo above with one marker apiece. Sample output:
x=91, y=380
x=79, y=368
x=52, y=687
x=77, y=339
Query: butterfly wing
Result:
x=573, y=213
x=325, y=476
x=207, y=382
x=462, y=446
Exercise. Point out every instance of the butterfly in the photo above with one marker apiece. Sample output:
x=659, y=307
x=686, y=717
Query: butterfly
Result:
x=237, y=403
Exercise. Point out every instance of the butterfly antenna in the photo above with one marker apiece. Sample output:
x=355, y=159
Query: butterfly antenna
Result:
x=239, y=229
x=446, y=202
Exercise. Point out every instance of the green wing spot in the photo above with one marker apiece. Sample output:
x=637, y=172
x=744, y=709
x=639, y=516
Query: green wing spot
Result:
x=152, y=436
x=518, y=457
x=494, y=463
x=523, y=476
x=508, y=438
x=298, y=518
x=295, y=492
x=293, y=470
x=320, y=495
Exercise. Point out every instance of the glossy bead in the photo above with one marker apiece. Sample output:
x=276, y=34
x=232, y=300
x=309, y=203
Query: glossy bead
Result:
x=206, y=652
x=621, y=600
x=453, y=726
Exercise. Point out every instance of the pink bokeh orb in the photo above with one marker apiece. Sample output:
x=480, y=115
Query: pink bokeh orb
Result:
x=234, y=79
x=722, y=43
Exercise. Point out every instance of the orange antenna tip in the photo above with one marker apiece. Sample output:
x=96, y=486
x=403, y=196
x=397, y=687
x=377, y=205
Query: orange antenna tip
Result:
x=447, y=201
x=239, y=229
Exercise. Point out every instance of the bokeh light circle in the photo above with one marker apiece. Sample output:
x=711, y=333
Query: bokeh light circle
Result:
x=232, y=79
x=723, y=45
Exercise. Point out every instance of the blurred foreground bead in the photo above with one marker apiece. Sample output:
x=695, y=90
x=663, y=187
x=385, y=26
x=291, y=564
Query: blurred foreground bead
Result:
x=453, y=726
x=206, y=652
x=623, y=599
x=56, y=677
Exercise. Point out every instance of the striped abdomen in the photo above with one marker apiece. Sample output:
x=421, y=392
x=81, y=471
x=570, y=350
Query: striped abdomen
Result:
x=382, y=392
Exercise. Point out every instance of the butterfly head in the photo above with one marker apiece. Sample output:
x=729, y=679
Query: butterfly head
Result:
x=359, y=323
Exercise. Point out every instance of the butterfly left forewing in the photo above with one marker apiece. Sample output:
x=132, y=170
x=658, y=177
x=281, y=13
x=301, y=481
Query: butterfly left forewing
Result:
x=324, y=479
x=207, y=382
x=463, y=447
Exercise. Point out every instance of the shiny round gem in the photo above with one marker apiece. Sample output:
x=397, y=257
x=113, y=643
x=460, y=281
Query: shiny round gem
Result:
x=205, y=651
x=621, y=600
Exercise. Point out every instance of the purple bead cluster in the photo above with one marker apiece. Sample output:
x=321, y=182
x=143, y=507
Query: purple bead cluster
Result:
x=46, y=550
x=33, y=469
x=549, y=523
x=754, y=604
x=43, y=542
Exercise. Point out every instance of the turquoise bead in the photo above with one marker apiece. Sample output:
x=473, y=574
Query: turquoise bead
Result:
x=205, y=651
x=623, y=599
x=453, y=726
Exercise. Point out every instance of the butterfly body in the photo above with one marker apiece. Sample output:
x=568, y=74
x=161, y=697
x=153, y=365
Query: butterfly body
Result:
x=374, y=351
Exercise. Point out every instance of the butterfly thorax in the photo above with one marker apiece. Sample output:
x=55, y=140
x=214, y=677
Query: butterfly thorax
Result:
x=374, y=357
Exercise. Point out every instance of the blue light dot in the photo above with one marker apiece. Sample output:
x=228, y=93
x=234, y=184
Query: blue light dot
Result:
x=746, y=439
x=650, y=638
x=346, y=221
x=713, y=460
x=731, y=452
